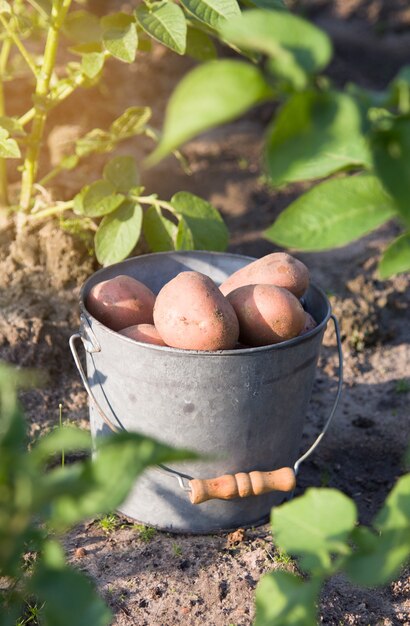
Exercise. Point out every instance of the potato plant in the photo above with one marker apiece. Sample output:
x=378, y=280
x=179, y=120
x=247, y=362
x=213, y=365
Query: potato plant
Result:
x=320, y=528
x=114, y=209
x=318, y=131
x=40, y=498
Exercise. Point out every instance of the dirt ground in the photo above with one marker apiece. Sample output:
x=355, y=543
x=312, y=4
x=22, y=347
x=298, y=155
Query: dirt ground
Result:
x=154, y=578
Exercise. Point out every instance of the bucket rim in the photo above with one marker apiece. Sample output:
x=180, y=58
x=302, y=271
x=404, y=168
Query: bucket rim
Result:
x=208, y=353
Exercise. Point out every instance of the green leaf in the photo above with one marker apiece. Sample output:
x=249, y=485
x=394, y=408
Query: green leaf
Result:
x=199, y=45
x=378, y=562
x=99, y=199
x=400, y=90
x=283, y=599
x=121, y=172
x=96, y=140
x=184, y=238
x=67, y=595
x=159, y=232
x=120, y=36
x=203, y=220
x=118, y=233
x=314, y=135
x=69, y=162
x=130, y=123
x=12, y=125
x=64, y=438
x=92, y=63
x=82, y=27
x=8, y=147
x=295, y=46
x=333, y=214
x=391, y=154
x=98, y=486
x=314, y=526
x=212, y=12
x=5, y=7
x=211, y=94
x=396, y=257
x=165, y=22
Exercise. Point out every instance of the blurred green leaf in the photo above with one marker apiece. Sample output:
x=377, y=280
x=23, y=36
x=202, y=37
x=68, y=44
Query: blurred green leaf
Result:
x=12, y=125
x=391, y=154
x=64, y=438
x=100, y=485
x=211, y=94
x=68, y=596
x=131, y=122
x=99, y=199
x=283, y=599
x=121, y=172
x=199, y=45
x=377, y=562
x=92, y=63
x=314, y=135
x=165, y=22
x=118, y=233
x=333, y=214
x=212, y=12
x=159, y=232
x=5, y=7
x=396, y=257
x=400, y=90
x=82, y=27
x=120, y=36
x=203, y=220
x=96, y=140
x=314, y=526
x=8, y=147
x=295, y=47
x=184, y=238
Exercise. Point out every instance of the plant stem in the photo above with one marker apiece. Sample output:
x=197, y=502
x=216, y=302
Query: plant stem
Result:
x=58, y=14
x=4, y=55
x=154, y=200
x=19, y=45
x=54, y=210
x=60, y=408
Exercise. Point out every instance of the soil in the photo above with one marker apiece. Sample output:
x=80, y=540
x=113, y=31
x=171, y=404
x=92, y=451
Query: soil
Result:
x=154, y=578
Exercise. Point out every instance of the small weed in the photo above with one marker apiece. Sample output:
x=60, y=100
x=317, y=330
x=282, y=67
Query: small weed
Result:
x=402, y=386
x=31, y=615
x=146, y=533
x=108, y=523
x=283, y=558
x=243, y=163
x=325, y=478
x=176, y=549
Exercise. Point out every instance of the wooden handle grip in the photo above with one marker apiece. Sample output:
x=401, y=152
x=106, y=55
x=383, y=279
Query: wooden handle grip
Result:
x=241, y=485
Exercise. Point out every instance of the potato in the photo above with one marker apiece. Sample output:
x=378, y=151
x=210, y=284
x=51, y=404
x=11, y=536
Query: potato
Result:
x=147, y=333
x=121, y=302
x=309, y=324
x=279, y=268
x=267, y=314
x=191, y=313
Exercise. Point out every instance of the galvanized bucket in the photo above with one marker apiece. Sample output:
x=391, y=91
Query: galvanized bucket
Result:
x=243, y=410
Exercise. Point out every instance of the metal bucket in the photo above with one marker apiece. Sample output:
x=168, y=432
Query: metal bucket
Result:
x=243, y=410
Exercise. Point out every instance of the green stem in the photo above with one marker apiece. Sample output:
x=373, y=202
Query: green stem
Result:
x=19, y=45
x=53, y=210
x=4, y=55
x=154, y=200
x=58, y=14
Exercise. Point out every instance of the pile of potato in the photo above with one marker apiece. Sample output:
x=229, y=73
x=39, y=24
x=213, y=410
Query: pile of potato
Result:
x=256, y=306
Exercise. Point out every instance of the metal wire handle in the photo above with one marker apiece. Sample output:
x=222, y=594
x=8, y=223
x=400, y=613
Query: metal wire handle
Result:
x=336, y=400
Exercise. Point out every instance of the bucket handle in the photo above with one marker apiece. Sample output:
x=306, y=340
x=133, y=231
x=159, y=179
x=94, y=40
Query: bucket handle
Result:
x=229, y=486
x=335, y=402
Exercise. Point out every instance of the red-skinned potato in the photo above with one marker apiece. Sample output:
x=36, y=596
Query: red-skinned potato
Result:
x=147, y=333
x=267, y=314
x=279, y=269
x=191, y=313
x=310, y=324
x=121, y=302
